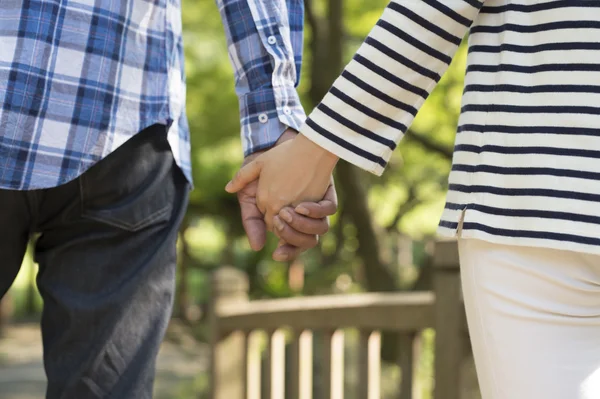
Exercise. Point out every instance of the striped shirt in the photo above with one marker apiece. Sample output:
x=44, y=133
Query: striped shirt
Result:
x=526, y=165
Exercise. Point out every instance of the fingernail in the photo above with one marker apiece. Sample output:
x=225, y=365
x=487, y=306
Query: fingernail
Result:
x=228, y=186
x=278, y=223
x=302, y=210
x=286, y=215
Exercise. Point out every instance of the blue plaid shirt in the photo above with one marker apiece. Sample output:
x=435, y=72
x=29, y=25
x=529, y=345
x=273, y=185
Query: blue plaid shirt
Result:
x=79, y=78
x=265, y=40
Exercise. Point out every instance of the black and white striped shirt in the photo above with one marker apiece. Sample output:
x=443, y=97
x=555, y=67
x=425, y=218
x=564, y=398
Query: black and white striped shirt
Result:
x=526, y=166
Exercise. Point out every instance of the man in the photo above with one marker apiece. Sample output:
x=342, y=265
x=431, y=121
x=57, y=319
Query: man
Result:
x=94, y=156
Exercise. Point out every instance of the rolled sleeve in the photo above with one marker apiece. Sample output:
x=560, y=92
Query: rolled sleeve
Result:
x=265, y=39
x=264, y=119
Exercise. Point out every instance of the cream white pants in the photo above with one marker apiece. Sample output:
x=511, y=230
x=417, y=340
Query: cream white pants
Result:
x=534, y=320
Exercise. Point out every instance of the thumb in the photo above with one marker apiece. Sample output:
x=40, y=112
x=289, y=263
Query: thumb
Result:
x=246, y=175
x=254, y=225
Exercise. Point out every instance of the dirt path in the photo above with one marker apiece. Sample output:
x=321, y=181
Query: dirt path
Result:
x=22, y=375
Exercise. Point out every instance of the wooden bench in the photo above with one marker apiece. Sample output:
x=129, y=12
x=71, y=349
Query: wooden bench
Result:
x=236, y=358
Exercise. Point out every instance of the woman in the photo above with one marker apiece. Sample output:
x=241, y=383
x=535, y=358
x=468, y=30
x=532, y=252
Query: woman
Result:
x=524, y=192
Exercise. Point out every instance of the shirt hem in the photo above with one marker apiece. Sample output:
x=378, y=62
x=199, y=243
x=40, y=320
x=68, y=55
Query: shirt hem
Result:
x=470, y=233
x=84, y=168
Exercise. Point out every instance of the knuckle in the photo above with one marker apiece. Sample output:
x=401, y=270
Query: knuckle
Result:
x=290, y=236
x=323, y=226
x=312, y=241
x=281, y=238
x=273, y=207
x=299, y=224
x=287, y=233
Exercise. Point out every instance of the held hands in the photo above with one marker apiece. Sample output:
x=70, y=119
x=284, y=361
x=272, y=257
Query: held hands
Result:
x=298, y=228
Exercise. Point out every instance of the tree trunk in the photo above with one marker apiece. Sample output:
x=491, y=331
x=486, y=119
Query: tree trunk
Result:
x=327, y=46
x=377, y=275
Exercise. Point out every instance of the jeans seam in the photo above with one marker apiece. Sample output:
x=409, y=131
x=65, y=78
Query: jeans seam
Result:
x=157, y=215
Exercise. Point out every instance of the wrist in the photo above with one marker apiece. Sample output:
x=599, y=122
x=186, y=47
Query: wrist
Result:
x=287, y=135
x=315, y=152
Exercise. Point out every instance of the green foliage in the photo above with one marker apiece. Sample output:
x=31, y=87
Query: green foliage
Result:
x=216, y=236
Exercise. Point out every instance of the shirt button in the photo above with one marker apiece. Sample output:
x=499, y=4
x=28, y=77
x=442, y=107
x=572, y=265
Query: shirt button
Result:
x=287, y=110
x=272, y=40
x=263, y=118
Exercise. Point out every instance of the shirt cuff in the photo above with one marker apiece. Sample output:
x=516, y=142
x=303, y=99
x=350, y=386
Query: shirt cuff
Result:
x=336, y=145
x=266, y=114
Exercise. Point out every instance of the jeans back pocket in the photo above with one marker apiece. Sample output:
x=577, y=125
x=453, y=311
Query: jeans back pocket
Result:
x=135, y=186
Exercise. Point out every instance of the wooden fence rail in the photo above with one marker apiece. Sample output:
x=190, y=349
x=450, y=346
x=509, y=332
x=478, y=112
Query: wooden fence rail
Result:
x=235, y=351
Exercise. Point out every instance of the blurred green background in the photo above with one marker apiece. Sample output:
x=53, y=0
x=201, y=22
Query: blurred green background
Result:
x=406, y=202
x=375, y=244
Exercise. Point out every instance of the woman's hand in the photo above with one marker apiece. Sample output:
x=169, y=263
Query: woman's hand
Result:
x=293, y=172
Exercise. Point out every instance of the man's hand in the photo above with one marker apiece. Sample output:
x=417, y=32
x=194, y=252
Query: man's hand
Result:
x=295, y=171
x=297, y=229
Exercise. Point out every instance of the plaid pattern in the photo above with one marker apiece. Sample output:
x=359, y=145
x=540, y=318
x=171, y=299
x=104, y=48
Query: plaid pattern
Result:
x=265, y=40
x=80, y=77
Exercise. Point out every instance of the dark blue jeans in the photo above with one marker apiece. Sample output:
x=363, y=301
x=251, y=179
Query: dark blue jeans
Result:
x=106, y=252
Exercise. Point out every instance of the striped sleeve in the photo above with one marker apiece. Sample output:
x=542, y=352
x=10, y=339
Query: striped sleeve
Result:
x=374, y=101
